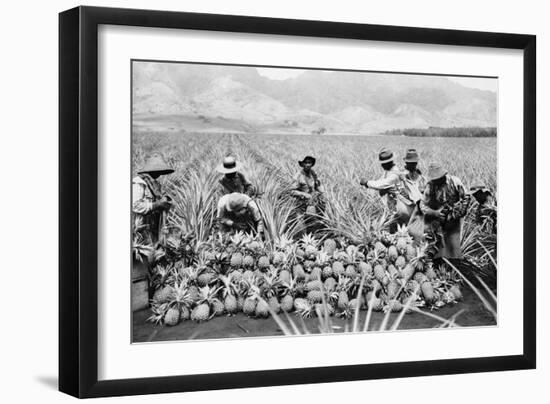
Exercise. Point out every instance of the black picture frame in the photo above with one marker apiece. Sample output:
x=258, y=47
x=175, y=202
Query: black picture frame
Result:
x=78, y=207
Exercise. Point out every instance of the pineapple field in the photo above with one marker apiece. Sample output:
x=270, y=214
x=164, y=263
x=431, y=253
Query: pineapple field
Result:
x=347, y=275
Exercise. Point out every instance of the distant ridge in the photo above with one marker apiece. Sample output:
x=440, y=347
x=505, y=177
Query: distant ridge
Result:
x=173, y=96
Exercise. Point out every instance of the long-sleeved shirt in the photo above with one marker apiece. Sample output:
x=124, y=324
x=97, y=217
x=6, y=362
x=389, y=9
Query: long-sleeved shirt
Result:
x=252, y=217
x=448, y=193
x=238, y=183
x=306, y=183
x=414, y=184
x=391, y=185
x=145, y=191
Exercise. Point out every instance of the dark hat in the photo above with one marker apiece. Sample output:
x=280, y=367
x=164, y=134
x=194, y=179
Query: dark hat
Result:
x=229, y=165
x=307, y=158
x=156, y=164
x=411, y=156
x=385, y=156
x=436, y=171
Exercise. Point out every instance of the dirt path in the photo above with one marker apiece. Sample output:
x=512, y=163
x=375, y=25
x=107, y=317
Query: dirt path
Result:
x=240, y=326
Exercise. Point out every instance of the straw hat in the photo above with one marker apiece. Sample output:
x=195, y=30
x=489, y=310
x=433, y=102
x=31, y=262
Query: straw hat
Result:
x=411, y=156
x=478, y=186
x=307, y=158
x=156, y=164
x=385, y=156
x=229, y=165
x=435, y=171
x=236, y=201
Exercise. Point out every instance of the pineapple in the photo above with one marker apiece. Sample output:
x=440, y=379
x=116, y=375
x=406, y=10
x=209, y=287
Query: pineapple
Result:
x=309, y=264
x=327, y=272
x=379, y=272
x=230, y=304
x=343, y=300
x=201, y=312
x=330, y=284
x=262, y=309
x=240, y=303
x=263, y=262
x=315, y=296
x=329, y=246
x=164, y=294
x=407, y=272
x=393, y=306
x=323, y=309
x=301, y=304
x=392, y=253
x=376, y=303
x=298, y=272
x=314, y=285
x=249, y=306
x=309, y=244
x=274, y=304
x=172, y=316
x=392, y=271
x=400, y=262
x=287, y=303
x=278, y=258
x=392, y=289
x=428, y=292
x=236, y=260
x=365, y=268
x=410, y=252
x=430, y=273
x=248, y=261
x=337, y=268
x=455, y=290
x=217, y=307
x=380, y=248
x=206, y=277
x=315, y=274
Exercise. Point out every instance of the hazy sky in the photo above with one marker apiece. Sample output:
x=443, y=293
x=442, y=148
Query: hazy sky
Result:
x=473, y=82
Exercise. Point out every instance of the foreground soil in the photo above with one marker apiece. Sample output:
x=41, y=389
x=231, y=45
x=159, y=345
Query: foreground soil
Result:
x=471, y=313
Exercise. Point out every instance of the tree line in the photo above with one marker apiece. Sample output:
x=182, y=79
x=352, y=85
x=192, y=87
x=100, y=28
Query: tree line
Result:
x=434, y=131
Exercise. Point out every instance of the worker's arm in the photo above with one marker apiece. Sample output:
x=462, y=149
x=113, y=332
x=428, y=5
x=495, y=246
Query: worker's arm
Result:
x=383, y=183
x=140, y=204
x=256, y=216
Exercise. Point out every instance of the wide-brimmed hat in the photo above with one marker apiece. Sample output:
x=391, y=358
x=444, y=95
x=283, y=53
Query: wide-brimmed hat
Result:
x=478, y=186
x=156, y=164
x=307, y=158
x=229, y=165
x=436, y=171
x=411, y=156
x=236, y=201
x=385, y=156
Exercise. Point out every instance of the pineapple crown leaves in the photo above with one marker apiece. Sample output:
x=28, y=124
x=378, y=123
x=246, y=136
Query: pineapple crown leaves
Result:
x=158, y=312
x=308, y=239
x=182, y=296
x=208, y=294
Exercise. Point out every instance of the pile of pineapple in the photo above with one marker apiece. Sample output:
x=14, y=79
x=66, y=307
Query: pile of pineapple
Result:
x=309, y=277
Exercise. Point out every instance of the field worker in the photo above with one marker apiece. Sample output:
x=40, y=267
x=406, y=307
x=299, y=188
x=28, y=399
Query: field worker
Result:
x=444, y=205
x=149, y=205
x=238, y=211
x=486, y=211
x=307, y=188
x=233, y=180
x=414, y=184
x=391, y=186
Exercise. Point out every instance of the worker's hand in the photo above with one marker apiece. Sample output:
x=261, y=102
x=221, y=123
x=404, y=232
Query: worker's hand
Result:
x=364, y=183
x=229, y=222
x=163, y=204
x=306, y=196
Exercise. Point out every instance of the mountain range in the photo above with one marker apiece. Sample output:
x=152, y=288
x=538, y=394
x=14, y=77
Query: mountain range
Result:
x=197, y=97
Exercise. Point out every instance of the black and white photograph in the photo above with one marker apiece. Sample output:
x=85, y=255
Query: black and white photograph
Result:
x=270, y=201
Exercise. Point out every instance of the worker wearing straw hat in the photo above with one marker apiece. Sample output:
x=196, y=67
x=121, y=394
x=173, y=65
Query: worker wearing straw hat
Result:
x=239, y=212
x=306, y=186
x=149, y=204
x=233, y=179
x=390, y=185
x=486, y=211
x=444, y=205
x=414, y=183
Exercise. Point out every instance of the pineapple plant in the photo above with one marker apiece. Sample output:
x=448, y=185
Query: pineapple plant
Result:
x=263, y=262
x=428, y=292
x=392, y=253
x=274, y=304
x=327, y=272
x=315, y=296
x=185, y=314
x=330, y=284
x=350, y=271
x=278, y=258
x=315, y=274
x=249, y=306
x=309, y=244
x=217, y=308
x=379, y=273
x=455, y=290
x=365, y=268
x=207, y=296
x=229, y=294
x=376, y=304
x=393, y=306
x=392, y=289
x=298, y=272
x=284, y=276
